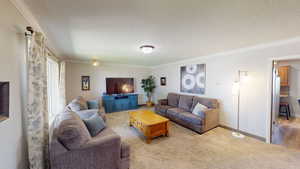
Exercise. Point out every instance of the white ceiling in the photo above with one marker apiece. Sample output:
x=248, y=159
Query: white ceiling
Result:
x=113, y=30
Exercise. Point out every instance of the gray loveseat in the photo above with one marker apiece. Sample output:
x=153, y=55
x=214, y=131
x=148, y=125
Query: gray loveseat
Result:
x=72, y=147
x=178, y=108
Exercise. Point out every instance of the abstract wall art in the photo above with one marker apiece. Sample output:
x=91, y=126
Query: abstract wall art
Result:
x=193, y=78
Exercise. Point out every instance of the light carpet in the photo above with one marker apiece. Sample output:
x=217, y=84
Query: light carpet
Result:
x=287, y=132
x=216, y=149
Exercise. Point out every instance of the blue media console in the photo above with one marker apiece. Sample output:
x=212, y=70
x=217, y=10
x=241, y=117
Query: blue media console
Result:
x=120, y=102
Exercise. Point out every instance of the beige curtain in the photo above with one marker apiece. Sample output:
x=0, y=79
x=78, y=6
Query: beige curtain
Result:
x=36, y=111
x=62, y=85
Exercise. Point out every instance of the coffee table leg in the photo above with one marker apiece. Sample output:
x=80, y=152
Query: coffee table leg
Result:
x=167, y=134
x=130, y=122
x=167, y=129
x=148, y=140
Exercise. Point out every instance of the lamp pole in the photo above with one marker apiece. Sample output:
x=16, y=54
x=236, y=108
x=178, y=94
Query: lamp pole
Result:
x=237, y=133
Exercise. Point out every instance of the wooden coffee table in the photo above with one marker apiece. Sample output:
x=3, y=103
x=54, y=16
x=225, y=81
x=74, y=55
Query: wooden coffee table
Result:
x=150, y=124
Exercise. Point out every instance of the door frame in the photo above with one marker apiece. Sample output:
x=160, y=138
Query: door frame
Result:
x=270, y=92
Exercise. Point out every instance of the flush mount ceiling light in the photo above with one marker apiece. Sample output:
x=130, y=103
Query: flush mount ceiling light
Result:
x=95, y=63
x=147, y=49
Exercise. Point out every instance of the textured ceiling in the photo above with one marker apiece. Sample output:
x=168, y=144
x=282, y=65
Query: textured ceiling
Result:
x=113, y=30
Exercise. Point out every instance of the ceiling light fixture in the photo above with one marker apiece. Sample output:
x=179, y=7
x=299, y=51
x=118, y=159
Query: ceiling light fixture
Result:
x=95, y=63
x=146, y=49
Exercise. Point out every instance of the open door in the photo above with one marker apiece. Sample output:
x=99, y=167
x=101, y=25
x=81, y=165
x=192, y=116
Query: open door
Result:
x=275, y=99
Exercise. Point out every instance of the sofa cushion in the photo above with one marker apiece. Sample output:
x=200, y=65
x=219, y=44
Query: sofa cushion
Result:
x=185, y=102
x=94, y=124
x=188, y=117
x=72, y=132
x=105, y=132
x=86, y=114
x=162, y=108
x=210, y=103
x=173, y=99
x=172, y=112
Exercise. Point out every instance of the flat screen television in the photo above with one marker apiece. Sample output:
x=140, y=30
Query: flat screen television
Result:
x=119, y=85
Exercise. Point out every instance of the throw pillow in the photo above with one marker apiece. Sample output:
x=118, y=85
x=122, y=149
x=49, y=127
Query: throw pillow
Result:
x=199, y=109
x=93, y=104
x=72, y=132
x=95, y=124
x=82, y=102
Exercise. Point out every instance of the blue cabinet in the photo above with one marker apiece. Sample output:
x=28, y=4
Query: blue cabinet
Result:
x=120, y=102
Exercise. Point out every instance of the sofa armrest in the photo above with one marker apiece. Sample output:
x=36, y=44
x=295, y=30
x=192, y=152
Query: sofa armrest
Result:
x=163, y=102
x=211, y=119
x=103, y=152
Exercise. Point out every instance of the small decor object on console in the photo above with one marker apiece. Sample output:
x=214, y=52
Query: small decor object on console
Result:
x=163, y=81
x=4, y=100
x=85, y=83
x=149, y=85
x=193, y=78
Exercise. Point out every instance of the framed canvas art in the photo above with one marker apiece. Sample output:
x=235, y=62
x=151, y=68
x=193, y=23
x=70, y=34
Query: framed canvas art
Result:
x=193, y=78
x=85, y=83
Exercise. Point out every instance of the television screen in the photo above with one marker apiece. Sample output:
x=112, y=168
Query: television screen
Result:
x=119, y=85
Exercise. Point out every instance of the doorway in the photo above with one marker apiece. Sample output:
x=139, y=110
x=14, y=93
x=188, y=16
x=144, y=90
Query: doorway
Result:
x=285, y=127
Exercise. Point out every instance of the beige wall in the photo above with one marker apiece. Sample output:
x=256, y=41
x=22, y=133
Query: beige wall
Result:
x=74, y=71
x=222, y=71
x=12, y=64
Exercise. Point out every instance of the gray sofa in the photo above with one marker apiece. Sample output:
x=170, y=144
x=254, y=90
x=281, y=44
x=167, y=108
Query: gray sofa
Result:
x=178, y=108
x=80, y=106
x=72, y=147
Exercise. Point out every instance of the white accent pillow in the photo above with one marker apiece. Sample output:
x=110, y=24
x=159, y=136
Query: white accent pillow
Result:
x=199, y=108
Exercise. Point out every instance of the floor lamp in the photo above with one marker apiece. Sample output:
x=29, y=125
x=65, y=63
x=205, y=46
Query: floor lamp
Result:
x=242, y=75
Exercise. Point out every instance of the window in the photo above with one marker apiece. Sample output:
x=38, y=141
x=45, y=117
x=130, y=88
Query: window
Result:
x=53, y=88
x=4, y=100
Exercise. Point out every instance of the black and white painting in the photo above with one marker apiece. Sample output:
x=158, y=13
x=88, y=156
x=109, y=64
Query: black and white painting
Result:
x=85, y=83
x=192, y=78
x=163, y=81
